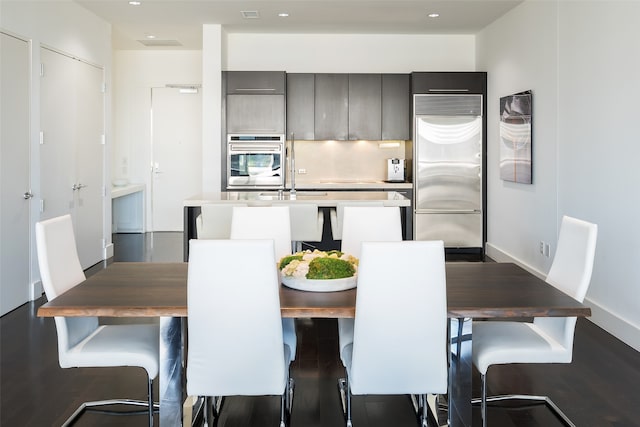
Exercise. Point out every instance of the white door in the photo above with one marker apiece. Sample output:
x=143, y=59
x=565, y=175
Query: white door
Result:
x=14, y=173
x=72, y=153
x=89, y=163
x=177, y=154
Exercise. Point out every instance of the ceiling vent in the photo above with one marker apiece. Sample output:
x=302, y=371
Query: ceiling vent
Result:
x=250, y=14
x=160, y=43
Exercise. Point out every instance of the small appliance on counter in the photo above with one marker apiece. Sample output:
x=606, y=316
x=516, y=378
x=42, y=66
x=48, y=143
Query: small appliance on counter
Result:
x=395, y=170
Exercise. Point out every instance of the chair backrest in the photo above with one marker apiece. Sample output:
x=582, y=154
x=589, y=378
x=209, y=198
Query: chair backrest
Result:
x=214, y=221
x=337, y=218
x=370, y=224
x=270, y=222
x=234, y=322
x=400, y=330
x=571, y=273
x=60, y=270
x=306, y=222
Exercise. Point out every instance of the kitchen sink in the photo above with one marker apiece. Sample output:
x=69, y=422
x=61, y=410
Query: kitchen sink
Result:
x=287, y=194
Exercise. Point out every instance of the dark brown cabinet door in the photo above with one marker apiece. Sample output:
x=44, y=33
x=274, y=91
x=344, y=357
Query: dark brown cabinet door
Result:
x=365, y=106
x=449, y=82
x=396, y=107
x=331, y=106
x=256, y=82
x=300, y=106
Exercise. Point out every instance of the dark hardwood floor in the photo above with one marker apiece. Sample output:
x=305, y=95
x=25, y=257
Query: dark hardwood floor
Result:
x=599, y=389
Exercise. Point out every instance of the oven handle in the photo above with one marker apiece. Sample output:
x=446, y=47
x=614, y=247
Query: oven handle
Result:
x=254, y=148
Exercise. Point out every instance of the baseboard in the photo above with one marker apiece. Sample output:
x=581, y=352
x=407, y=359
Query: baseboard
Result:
x=35, y=290
x=620, y=328
x=108, y=251
x=499, y=255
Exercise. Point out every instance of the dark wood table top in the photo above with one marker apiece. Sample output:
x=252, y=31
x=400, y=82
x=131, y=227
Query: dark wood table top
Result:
x=476, y=290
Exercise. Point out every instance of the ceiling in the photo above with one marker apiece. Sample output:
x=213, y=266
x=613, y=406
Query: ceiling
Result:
x=177, y=24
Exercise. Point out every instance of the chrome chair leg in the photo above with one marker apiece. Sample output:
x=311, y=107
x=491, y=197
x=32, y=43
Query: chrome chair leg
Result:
x=345, y=399
x=526, y=397
x=109, y=402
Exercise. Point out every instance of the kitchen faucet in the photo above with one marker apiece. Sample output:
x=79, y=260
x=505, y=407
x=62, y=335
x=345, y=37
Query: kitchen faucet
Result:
x=292, y=164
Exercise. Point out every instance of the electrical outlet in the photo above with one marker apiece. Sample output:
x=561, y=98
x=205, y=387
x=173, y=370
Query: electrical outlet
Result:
x=302, y=171
x=541, y=247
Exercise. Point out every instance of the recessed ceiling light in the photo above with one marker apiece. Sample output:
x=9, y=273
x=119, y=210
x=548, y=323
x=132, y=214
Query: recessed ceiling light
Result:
x=135, y=3
x=434, y=15
x=151, y=36
x=250, y=14
x=283, y=14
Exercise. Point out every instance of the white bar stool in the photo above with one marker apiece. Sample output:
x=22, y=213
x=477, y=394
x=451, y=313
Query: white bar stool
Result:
x=307, y=222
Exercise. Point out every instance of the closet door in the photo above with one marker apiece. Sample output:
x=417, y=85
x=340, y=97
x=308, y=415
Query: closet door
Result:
x=89, y=129
x=57, y=126
x=14, y=173
x=72, y=152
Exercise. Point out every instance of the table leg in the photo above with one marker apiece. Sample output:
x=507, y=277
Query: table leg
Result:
x=171, y=374
x=460, y=375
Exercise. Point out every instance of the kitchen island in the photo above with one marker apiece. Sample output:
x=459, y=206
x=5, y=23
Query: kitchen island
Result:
x=324, y=199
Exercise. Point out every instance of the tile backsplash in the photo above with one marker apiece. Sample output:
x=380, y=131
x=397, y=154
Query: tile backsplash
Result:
x=345, y=160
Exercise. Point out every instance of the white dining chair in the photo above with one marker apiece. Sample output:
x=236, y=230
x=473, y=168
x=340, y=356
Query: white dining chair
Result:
x=268, y=222
x=214, y=221
x=307, y=222
x=82, y=341
x=235, y=279
x=366, y=224
x=400, y=331
x=546, y=339
x=336, y=215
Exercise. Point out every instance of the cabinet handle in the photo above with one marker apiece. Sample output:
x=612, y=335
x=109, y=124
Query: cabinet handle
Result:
x=259, y=89
x=28, y=195
x=448, y=90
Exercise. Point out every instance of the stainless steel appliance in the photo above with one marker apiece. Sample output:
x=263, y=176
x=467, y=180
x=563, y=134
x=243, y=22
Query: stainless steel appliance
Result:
x=395, y=170
x=448, y=169
x=255, y=161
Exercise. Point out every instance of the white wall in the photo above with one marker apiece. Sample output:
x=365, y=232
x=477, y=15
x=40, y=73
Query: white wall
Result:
x=134, y=74
x=68, y=28
x=598, y=152
x=582, y=68
x=517, y=59
x=349, y=53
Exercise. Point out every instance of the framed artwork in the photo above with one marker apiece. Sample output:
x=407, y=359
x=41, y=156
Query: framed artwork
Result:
x=515, y=137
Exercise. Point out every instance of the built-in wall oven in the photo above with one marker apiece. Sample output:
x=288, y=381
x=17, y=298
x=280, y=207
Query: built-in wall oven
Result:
x=255, y=161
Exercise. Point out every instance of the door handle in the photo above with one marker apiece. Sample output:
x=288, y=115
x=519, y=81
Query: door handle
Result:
x=78, y=186
x=28, y=195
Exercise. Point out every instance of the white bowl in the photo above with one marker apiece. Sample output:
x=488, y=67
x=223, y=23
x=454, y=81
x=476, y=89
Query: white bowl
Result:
x=120, y=182
x=312, y=285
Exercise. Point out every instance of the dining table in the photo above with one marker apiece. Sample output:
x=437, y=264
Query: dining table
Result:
x=475, y=290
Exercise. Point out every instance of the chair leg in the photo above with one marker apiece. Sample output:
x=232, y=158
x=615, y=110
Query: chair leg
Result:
x=150, y=401
x=538, y=399
x=89, y=405
x=483, y=404
x=459, y=341
x=349, y=424
x=345, y=398
x=286, y=403
x=149, y=404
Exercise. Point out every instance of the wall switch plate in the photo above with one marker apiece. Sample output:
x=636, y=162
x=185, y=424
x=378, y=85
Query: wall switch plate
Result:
x=302, y=171
x=547, y=250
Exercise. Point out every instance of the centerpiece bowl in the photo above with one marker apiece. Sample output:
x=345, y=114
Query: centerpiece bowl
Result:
x=319, y=271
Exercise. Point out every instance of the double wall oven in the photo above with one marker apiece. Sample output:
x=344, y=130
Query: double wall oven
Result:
x=255, y=161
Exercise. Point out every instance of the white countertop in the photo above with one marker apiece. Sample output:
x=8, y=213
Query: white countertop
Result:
x=353, y=185
x=125, y=190
x=321, y=198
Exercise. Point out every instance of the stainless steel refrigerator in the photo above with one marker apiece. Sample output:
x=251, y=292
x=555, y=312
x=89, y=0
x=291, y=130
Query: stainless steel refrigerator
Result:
x=448, y=169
